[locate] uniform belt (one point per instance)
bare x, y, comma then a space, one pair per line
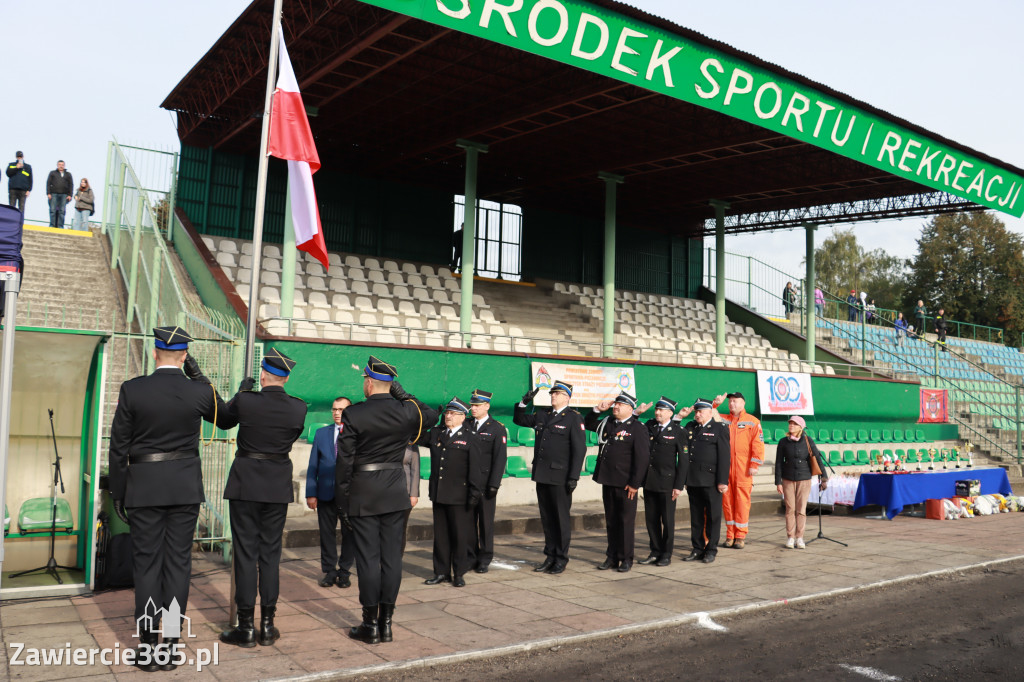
383, 466
160, 457
262, 455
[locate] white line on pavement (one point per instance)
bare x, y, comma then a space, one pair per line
870, 673
704, 621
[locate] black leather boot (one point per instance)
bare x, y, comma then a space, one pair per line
268, 633
244, 634
368, 631
145, 653
170, 646
386, 612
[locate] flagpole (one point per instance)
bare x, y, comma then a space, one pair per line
261, 193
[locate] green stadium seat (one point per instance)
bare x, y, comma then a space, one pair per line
591, 438
886, 435
526, 436
780, 434
311, 431
835, 458
901, 455
912, 456
36, 515
875, 457
824, 435
887, 452
589, 464
849, 458
875, 436
516, 467
424, 467
924, 456
851, 436
897, 435
919, 434
862, 436
837, 436
862, 457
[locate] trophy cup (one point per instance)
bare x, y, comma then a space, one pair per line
945, 458
919, 458
885, 462
970, 454
956, 461
931, 459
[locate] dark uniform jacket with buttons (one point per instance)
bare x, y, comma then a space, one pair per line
708, 463
624, 451
269, 422
161, 412
376, 431
494, 445
561, 444
669, 457
457, 469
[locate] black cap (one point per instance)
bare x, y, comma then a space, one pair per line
702, 404
666, 403
626, 399
277, 363
17, 154
457, 404
171, 338
479, 397
737, 394
563, 386
379, 370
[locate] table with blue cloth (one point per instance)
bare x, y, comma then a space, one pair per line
895, 491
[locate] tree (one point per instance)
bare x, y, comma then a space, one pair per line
841, 264
971, 265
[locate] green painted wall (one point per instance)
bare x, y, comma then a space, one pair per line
325, 371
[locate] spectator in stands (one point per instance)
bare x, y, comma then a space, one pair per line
457, 248
793, 478
863, 305
59, 187
320, 497
85, 206
19, 182
789, 299
901, 329
851, 306
869, 311
941, 328
819, 301
919, 314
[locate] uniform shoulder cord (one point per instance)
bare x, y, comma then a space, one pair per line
419, 431
210, 442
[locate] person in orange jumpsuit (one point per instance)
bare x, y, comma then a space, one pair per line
747, 455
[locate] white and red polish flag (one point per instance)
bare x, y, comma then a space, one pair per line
292, 140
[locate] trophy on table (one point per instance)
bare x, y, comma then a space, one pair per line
944, 456
970, 454
931, 459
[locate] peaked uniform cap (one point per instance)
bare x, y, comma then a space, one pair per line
479, 397
379, 370
171, 338
625, 399
702, 404
560, 385
457, 404
277, 363
666, 403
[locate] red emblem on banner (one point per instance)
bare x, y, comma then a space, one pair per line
934, 406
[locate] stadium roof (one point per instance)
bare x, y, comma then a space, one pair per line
391, 94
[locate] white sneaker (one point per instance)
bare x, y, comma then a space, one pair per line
789, 543
800, 543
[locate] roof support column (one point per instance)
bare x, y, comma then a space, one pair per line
473, 150
809, 300
610, 189
288, 254
720, 207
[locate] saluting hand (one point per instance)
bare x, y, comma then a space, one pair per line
529, 395
643, 408
604, 405
684, 413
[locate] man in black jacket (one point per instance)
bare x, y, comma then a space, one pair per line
259, 489
455, 487
669, 459
558, 454
156, 479
371, 491
59, 188
941, 329
494, 445
623, 454
706, 480
19, 182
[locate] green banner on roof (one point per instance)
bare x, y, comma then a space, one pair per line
577, 33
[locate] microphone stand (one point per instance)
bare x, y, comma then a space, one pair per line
52, 566
821, 535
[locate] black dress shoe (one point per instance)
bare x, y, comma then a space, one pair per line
437, 580
608, 563
459, 581
664, 561
708, 558
482, 568
326, 580
694, 556
649, 560
548, 563
625, 566
556, 569
343, 581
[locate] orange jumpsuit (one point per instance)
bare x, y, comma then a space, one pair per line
747, 443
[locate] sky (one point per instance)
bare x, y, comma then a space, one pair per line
81, 72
